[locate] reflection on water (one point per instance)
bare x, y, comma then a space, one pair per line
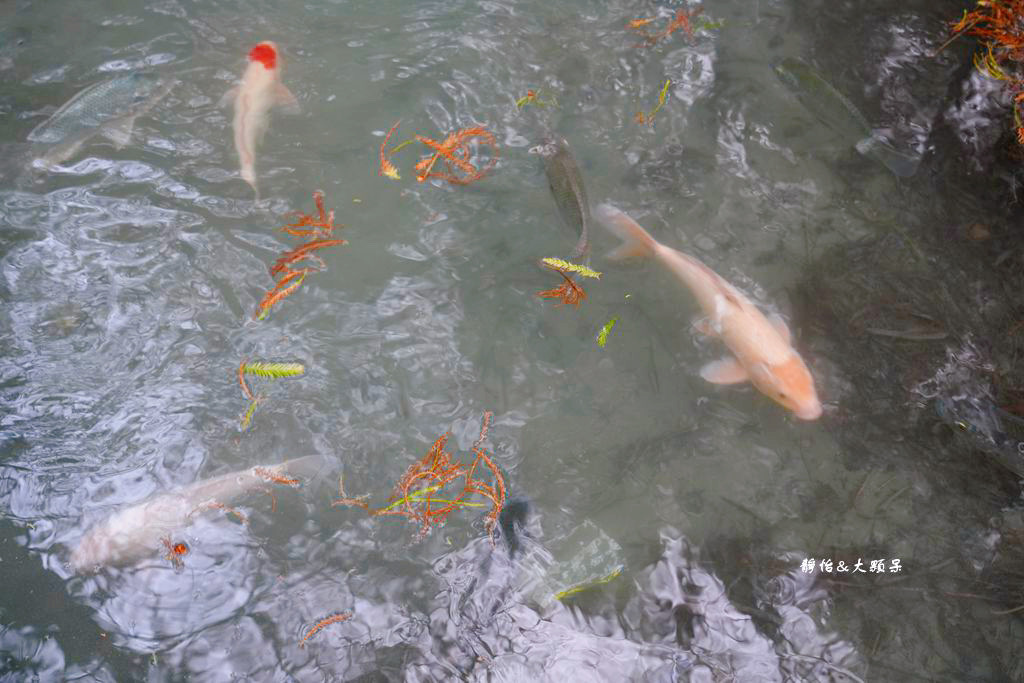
130, 275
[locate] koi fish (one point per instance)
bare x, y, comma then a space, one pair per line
763, 353
108, 108
129, 534
566, 185
260, 89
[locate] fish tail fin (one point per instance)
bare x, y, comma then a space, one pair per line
249, 176
308, 467
636, 242
900, 163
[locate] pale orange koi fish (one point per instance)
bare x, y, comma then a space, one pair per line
259, 91
763, 353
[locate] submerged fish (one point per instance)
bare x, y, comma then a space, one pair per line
130, 533
108, 108
566, 186
987, 427
838, 113
260, 90
763, 352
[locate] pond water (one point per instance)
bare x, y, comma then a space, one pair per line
130, 277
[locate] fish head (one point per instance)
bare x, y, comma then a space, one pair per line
145, 85
265, 53
549, 147
790, 385
791, 72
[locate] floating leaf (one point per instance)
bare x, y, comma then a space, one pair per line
567, 267
602, 336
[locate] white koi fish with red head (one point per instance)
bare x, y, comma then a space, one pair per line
763, 353
260, 90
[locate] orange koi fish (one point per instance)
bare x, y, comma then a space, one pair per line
763, 352
259, 91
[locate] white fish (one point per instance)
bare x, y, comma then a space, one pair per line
763, 352
260, 90
130, 533
108, 108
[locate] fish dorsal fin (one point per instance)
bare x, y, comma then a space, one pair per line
781, 327
705, 327
120, 131
228, 97
284, 98
724, 371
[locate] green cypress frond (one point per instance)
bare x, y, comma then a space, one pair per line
566, 267
602, 336
274, 370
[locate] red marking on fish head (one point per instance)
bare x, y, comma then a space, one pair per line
265, 53
791, 385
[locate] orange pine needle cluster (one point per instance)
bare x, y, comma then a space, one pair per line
569, 292
680, 21
333, 619
175, 552
454, 153
241, 380
1000, 25
320, 228
418, 489
276, 478
387, 169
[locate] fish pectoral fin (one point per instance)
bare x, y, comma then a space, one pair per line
284, 98
724, 371
705, 327
228, 97
781, 327
119, 132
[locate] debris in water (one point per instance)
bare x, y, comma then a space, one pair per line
413, 495
388, 169
332, 619
175, 551
602, 335
569, 292
320, 228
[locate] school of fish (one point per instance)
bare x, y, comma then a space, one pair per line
761, 346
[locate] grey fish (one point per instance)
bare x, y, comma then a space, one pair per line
108, 108
986, 427
833, 109
566, 186
130, 533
